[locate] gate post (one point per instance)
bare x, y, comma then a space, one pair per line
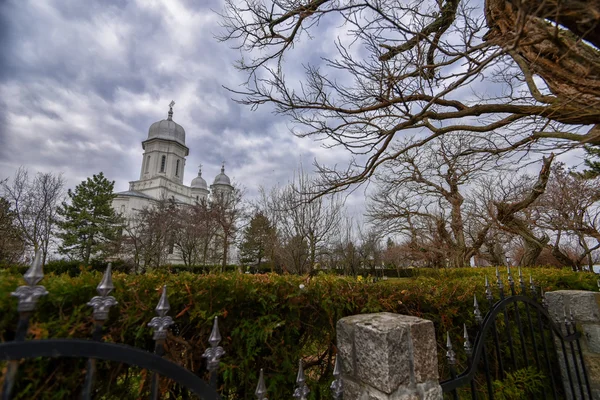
585, 308
388, 356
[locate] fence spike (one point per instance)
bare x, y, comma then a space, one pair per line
467, 345
102, 304
337, 389
35, 273
522, 282
476, 311
499, 283
106, 284
215, 336
214, 353
488, 291
532, 286
511, 281
302, 389
161, 323
163, 305
261, 389
543, 296
450, 354
598, 284
29, 294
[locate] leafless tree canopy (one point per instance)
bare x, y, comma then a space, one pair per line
519, 74
34, 203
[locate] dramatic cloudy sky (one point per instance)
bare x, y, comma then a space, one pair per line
81, 82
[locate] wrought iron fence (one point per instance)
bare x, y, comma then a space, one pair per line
95, 349
518, 347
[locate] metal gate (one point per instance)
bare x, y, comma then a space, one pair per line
518, 351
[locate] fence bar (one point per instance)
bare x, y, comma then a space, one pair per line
490, 297
573, 354
214, 353
518, 316
469, 352
101, 305
486, 363
511, 346
160, 324
28, 296
451, 356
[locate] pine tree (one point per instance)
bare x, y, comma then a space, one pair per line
591, 161
258, 240
89, 224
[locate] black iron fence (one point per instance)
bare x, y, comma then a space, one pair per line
95, 349
518, 351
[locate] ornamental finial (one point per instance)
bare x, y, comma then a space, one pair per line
29, 295
163, 306
301, 392
450, 355
214, 353
261, 389
467, 344
106, 284
223, 167
171, 104
35, 274
337, 388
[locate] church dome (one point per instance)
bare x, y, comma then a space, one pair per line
199, 182
167, 129
222, 179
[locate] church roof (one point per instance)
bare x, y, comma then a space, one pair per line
134, 193
167, 129
222, 179
199, 182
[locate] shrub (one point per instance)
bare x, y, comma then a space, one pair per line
266, 321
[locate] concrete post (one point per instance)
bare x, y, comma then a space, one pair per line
586, 313
388, 356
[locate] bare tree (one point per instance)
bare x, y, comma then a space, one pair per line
34, 203
515, 216
570, 210
400, 74
228, 209
12, 245
302, 221
422, 195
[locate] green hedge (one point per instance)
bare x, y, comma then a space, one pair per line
266, 321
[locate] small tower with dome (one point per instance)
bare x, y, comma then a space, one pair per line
165, 150
222, 184
199, 187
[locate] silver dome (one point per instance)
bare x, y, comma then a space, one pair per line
199, 182
222, 179
167, 129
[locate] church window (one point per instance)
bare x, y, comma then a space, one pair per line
177, 168
163, 163
147, 164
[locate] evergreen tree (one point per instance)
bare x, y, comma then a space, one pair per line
89, 224
258, 240
12, 244
591, 162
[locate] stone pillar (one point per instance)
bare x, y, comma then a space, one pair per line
388, 356
586, 313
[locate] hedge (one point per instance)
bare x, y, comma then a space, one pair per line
267, 321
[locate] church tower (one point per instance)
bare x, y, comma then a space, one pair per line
165, 150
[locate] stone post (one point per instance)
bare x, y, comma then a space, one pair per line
586, 313
388, 356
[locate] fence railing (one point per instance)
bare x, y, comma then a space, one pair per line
95, 349
516, 334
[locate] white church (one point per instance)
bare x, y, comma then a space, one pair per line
162, 173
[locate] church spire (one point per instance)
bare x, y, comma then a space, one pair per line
170, 118
223, 167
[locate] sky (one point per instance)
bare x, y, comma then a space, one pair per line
82, 81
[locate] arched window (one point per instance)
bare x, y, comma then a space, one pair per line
147, 164
163, 163
177, 168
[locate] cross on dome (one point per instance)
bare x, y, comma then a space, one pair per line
171, 104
